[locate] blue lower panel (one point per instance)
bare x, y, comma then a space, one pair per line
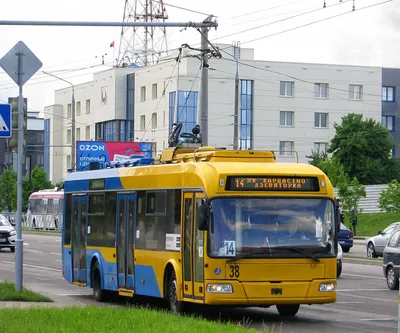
146, 282
67, 264
108, 270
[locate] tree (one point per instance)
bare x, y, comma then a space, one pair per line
364, 147
390, 198
330, 166
350, 193
8, 190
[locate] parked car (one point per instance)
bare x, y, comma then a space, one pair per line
345, 238
339, 260
391, 260
376, 244
7, 234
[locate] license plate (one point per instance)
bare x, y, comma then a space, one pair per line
341, 242
3, 240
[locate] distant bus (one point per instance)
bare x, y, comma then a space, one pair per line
45, 209
205, 226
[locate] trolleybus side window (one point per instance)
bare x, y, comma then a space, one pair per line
158, 215
96, 219
68, 217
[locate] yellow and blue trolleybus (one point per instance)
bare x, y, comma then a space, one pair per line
206, 226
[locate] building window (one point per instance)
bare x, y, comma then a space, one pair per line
142, 123
68, 161
286, 148
320, 147
113, 130
393, 152
321, 90
143, 94
389, 123
78, 134
246, 114
69, 111
87, 133
88, 106
355, 92
78, 108
154, 91
68, 136
286, 118
154, 120
187, 109
321, 120
388, 94
287, 89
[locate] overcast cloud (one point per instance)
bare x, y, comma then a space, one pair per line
363, 37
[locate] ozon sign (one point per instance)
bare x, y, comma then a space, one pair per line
91, 147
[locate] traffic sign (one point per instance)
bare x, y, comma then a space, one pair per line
5, 121
30, 63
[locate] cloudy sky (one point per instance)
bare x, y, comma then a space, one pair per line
362, 37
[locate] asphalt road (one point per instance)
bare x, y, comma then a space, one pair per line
364, 303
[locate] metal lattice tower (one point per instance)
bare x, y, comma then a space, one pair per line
142, 46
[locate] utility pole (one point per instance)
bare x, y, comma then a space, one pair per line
176, 111
203, 95
236, 110
73, 143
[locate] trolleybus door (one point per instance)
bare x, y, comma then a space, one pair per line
126, 205
193, 249
79, 213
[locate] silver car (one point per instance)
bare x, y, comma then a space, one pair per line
339, 260
376, 244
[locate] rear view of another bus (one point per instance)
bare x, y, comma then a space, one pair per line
45, 209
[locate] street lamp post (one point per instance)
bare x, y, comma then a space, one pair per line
72, 119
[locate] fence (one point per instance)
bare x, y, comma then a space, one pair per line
370, 204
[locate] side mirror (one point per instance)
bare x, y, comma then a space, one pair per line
380, 233
337, 211
202, 217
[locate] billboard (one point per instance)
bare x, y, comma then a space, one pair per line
102, 151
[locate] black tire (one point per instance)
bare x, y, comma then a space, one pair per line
12, 249
371, 251
346, 249
172, 295
99, 294
392, 279
288, 310
339, 269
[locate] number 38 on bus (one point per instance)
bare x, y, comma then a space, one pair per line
206, 226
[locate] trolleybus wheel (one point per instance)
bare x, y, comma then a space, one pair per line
98, 293
172, 295
288, 309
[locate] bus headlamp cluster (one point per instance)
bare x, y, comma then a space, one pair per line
327, 287
220, 288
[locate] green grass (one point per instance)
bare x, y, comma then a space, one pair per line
8, 293
370, 224
108, 320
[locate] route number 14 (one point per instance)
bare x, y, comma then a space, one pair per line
230, 248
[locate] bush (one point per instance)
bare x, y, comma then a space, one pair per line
389, 200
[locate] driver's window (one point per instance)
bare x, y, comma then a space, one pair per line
387, 230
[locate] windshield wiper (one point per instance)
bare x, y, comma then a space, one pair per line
298, 251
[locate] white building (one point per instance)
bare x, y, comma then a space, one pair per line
284, 107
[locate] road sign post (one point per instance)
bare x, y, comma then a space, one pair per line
20, 64
5, 121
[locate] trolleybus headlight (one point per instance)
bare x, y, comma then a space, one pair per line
219, 288
327, 287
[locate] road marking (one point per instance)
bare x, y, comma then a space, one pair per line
342, 290
349, 302
379, 319
34, 266
40, 241
363, 276
73, 294
58, 260
56, 253
58, 240
26, 244
34, 251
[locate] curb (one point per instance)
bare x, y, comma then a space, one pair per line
45, 233
362, 261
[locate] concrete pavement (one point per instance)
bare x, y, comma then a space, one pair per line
364, 303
